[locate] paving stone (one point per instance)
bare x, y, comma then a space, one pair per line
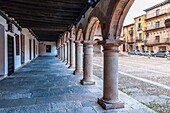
47, 86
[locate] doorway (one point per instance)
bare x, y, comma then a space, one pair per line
34, 48
10, 55
22, 49
30, 48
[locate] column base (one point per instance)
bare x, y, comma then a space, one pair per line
67, 63
71, 67
64, 61
84, 82
76, 72
106, 106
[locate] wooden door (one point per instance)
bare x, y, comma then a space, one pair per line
22, 49
10, 55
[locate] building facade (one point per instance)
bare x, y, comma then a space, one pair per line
157, 35
149, 32
139, 32
129, 37
134, 34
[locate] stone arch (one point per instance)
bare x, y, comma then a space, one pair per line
60, 42
97, 47
73, 32
95, 18
68, 35
62, 39
117, 14
65, 37
79, 36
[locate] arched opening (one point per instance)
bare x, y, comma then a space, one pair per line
139, 69
94, 34
98, 37
142, 31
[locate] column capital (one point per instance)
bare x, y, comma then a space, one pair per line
111, 43
59, 46
89, 42
78, 42
67, 41
71, 39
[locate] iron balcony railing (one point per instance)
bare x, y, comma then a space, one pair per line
161, 41
139, 39
131, 40
153, 27
131, 32
155, 14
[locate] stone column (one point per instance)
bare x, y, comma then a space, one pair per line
87, 64
58, 51
79, 58
68, 52
72, 54
63, 53
110, 99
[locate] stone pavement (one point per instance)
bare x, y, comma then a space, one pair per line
47, 86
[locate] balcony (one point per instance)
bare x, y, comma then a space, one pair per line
161, 12
131, 32
167, 23
139, 39
158, 42
131, 40
139, 29
154, 27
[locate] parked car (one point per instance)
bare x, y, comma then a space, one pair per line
162, 53
134, 52
168, 56
147, 53
152, 53
138, 52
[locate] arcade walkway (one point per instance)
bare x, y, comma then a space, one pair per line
47, 86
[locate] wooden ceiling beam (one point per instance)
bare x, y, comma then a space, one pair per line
57, 1
64, 15
46, 29
43, 21
41, 10
48, 2
44, 26
40, 5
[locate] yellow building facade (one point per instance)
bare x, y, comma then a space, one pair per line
129, 37
140, 32
134, 34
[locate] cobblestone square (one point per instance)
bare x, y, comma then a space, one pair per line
146, 80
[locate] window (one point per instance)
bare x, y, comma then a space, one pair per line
157, 12
139, 19
139, 26
17, 44
140, 35
157, 39
157, 25
48, 48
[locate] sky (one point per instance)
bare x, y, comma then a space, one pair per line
137, 9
